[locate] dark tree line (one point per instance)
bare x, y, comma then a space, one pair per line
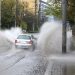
14, 12
7, 13
71, 11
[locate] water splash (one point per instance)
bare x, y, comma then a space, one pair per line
11, 34
50, 38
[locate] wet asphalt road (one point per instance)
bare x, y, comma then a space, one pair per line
23, 62
20, 61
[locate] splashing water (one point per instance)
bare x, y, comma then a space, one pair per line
11, 34
50, 38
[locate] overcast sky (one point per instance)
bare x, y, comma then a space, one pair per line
45, 0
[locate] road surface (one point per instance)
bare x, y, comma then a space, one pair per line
20, 62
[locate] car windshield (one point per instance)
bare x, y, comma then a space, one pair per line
23, 37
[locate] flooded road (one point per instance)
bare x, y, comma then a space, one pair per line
46, 59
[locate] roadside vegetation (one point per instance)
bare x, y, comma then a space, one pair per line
17, 14
55, 8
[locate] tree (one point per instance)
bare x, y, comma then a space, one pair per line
71, 10
54, 8
27, 14
7, 13
71, 15
16, 11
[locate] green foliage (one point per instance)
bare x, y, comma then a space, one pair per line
54, 8
13, 11
71, 10
7, 13
23, 25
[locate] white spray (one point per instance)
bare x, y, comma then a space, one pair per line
11, 34
50, 38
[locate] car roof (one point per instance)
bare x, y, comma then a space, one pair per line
25, 34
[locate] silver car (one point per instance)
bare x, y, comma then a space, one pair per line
25, 41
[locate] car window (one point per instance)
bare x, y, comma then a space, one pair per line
23, 37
